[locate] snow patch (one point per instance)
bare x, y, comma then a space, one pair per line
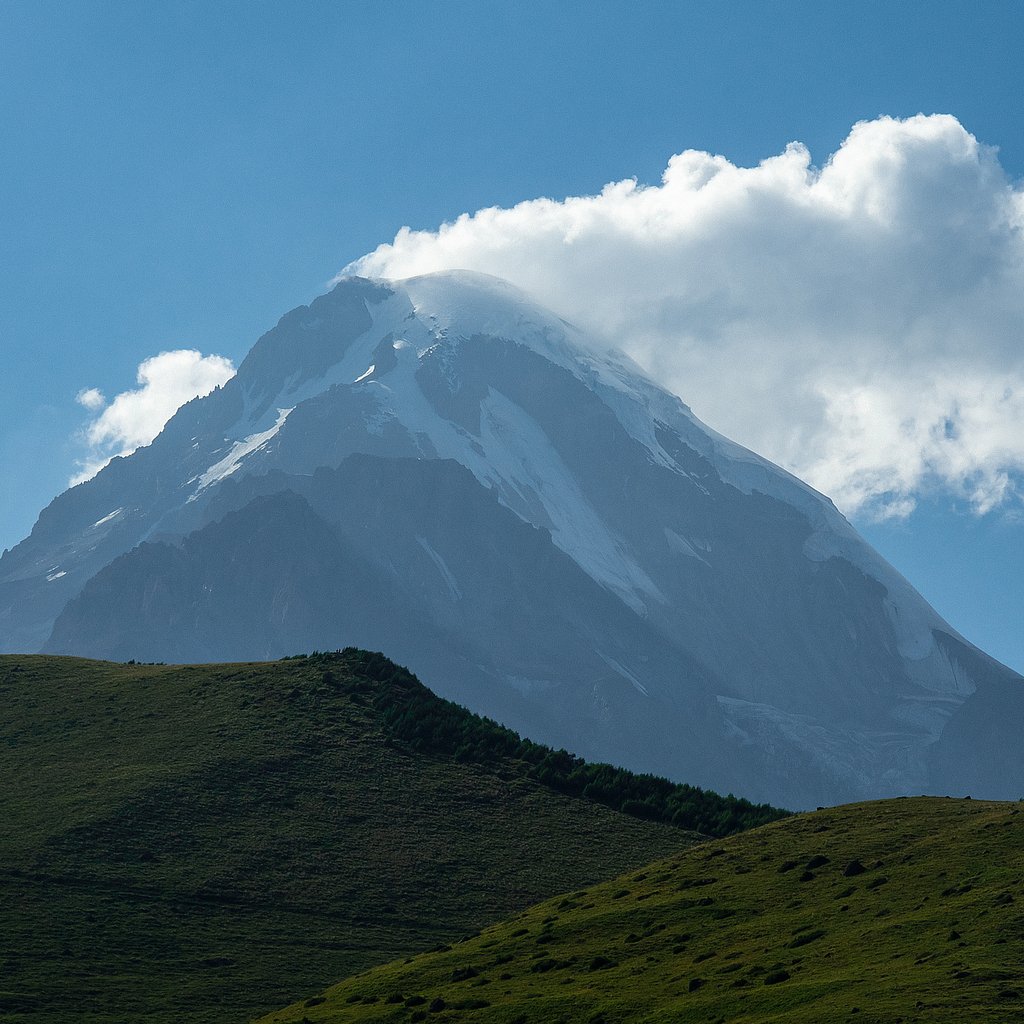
238, 451
681, 546
624, 672
365, 374
106, 518
442, 568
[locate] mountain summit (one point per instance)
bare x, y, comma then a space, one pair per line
440, 469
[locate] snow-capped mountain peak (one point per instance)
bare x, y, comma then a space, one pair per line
443, 469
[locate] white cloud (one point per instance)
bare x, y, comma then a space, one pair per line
862, 324
91, 399
133, 418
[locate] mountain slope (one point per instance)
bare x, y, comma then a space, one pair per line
905, 910
717, 620
203, 843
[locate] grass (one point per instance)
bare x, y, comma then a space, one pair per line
204, 843
900, 911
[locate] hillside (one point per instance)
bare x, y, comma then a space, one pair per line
207, 842
899, 911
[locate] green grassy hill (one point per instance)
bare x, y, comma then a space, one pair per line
899, 911
203, 843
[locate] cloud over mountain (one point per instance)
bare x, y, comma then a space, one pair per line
133, 418
858, 323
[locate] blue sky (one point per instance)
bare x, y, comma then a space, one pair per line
179, 175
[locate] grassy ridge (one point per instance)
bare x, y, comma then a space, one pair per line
904, 911
204, 843
425, 723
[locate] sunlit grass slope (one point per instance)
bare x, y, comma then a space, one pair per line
898, 911
204, 843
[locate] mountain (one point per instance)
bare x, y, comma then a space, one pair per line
440, 469
204, 843
903, 910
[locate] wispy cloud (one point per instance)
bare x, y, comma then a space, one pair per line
133, 418
861, 323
